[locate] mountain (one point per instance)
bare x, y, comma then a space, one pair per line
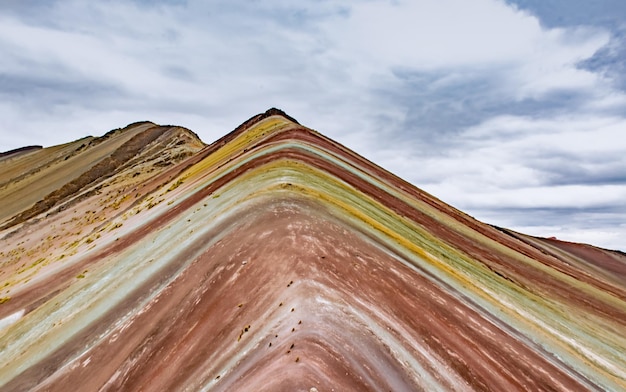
278, 259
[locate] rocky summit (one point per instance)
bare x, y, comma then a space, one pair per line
276, 259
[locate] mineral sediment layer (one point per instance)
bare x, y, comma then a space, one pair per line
276, 259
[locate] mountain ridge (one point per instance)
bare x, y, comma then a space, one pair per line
276, 251
99, 168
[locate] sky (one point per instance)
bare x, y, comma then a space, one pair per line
512, 111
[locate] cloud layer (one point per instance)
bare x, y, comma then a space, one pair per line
511, 111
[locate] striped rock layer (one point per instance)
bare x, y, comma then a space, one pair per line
276, 259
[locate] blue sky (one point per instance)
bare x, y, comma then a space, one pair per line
513, 111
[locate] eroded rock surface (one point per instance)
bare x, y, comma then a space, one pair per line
277, 259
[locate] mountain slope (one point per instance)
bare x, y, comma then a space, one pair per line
42, 176
277, 259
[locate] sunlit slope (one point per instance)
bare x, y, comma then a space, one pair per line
28, 178
50, 229
276, 259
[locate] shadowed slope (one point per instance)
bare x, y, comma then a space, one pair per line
26, 180
276, 259
18, 151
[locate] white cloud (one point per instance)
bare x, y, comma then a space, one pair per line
206, 58
432, 35
520, 138
540, 197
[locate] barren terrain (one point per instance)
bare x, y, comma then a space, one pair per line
277, 259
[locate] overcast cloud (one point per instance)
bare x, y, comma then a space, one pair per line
513, 111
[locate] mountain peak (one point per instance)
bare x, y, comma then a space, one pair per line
278, 259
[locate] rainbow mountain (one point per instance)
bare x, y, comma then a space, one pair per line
277, 259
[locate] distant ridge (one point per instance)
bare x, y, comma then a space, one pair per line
277, 259
19, 150
100, 158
